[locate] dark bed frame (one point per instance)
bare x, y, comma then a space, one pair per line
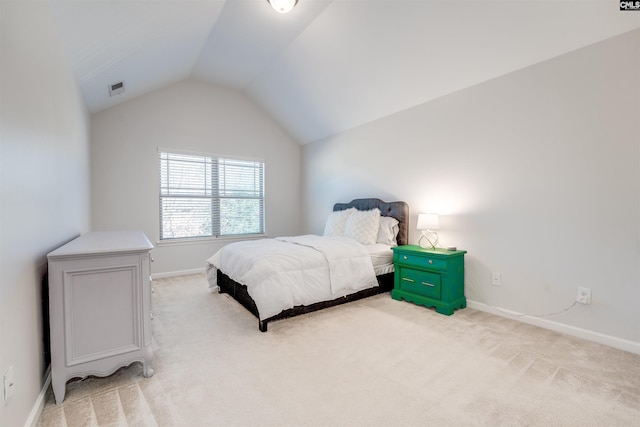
397, 210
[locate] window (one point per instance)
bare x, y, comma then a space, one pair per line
209, 196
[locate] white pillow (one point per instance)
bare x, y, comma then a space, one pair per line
363, 226
388, 231
336, 221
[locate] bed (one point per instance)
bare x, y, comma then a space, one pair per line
233, 261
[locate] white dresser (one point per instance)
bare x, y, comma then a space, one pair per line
99, 306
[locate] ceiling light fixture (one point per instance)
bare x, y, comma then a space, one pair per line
282, 6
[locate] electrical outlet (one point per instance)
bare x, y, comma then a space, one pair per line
496, 279
583, 295
9, 384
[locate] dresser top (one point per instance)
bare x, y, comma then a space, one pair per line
104, 242
436, 251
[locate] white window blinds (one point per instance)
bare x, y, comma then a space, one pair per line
208, 196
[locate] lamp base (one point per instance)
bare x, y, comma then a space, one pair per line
431, 237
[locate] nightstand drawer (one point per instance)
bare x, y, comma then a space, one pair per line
420, 282
422, 261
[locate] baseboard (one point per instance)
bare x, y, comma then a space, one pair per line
38, 406
621, 344
178, 273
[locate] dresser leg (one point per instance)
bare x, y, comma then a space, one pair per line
147, 370
59, 388
445, 310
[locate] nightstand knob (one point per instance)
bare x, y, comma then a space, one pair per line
430, 261
405, 257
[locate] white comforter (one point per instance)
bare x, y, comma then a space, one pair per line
289, 271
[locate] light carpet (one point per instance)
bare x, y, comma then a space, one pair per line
374, 362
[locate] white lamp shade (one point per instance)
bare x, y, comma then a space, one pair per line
282, 6
428, 221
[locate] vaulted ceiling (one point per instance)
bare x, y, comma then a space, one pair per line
329, 65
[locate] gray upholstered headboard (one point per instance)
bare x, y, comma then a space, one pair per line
397, 210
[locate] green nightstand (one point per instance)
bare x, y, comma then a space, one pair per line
429, 277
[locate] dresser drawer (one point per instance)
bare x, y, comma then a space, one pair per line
422, 261
420, 282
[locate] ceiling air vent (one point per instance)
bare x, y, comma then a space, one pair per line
116, 89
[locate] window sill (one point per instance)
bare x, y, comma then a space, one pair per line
208, 240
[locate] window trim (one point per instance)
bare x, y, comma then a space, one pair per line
205, 239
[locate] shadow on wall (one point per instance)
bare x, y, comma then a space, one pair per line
44, 298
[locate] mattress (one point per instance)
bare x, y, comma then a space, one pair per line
381, 258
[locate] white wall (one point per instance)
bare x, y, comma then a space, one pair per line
44, 183
189, 115
536, 174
